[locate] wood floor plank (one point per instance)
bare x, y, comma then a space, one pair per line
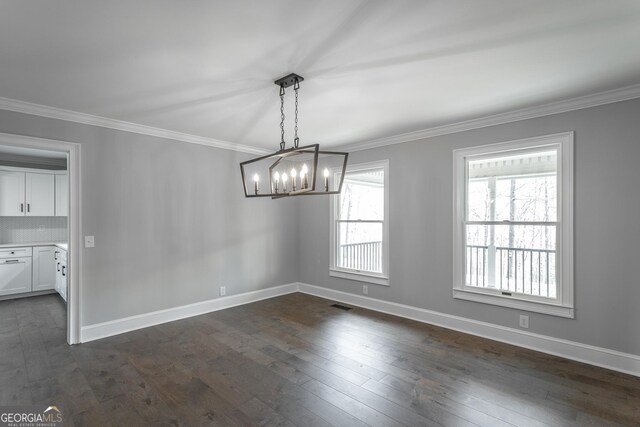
438, 407
296, 361
287, 399
261, 414
350, 405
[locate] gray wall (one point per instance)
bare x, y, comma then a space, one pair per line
171, 224
607, 226
170, 221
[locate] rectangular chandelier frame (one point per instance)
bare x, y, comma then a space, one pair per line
278, 157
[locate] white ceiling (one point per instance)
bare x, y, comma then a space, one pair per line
373, 69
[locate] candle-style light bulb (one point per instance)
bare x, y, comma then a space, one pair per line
276, 178
326, 179
284, 182
303, 176
256, 180
293, 179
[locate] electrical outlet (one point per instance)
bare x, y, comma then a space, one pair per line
524, 321
89, 241
365, 289
41, 228
223, 291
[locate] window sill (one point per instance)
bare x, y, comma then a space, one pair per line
361, 277
515, 302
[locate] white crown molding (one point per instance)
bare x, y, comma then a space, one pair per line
579, 103
88, 119
587, 101
598, 356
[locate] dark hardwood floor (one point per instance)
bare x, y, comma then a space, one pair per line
295, 360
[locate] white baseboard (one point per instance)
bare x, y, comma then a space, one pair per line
598, 356
127, 324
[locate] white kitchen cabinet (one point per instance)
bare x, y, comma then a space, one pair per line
40, 194
15, 275
29, 192
62, 194
12, 191
61, 273
44, 268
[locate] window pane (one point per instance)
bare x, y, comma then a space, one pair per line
527, 199
513, 187
512, 258
360, 246
479, 202
362, 196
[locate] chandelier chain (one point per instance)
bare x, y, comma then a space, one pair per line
296, 140
282, 144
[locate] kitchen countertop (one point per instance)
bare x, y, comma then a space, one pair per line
62, 245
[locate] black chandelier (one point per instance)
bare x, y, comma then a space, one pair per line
293, 171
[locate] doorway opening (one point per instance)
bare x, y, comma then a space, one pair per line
39, 236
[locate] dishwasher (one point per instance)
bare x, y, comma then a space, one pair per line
15, 275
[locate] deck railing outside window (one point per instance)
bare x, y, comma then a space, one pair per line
366, 256
524, 271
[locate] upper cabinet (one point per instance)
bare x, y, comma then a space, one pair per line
26, 193
62, 194
12, 185
40, 194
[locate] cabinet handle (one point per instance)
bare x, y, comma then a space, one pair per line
58, 267
63, 268
11, 261
21, 207
28, 207
55, 255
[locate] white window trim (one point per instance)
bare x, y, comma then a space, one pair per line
564, 306
362, 276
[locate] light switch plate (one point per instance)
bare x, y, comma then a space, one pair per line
89, 241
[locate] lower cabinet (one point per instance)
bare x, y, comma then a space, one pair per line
29, 269
44, 268
61, 273
15, 275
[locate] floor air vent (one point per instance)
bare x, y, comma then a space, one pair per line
341, 307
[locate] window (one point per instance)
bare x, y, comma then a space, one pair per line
513, 233
359, 220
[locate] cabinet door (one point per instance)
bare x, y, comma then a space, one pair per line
40, 194
58, 273
15, 276
61, 278
62, 195
12, 185
65, 283
44, 268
